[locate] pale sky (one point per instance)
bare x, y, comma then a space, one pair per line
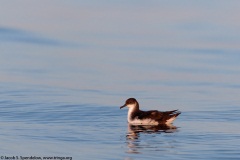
180, 24
144, 46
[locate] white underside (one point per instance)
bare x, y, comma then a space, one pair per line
170, 120
143, 122
149, 121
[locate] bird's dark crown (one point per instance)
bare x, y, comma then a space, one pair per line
130, 101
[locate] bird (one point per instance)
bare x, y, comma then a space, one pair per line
152, 117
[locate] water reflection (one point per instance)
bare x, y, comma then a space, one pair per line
133, 140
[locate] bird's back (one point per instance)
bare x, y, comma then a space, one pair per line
154, 117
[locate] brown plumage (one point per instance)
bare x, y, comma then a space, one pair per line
152, 117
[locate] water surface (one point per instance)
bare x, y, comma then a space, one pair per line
67, 66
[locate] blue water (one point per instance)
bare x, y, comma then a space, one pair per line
67, 66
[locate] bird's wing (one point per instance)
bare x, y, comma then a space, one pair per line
154, 114
157, 115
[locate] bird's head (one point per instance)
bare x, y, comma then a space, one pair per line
131, 102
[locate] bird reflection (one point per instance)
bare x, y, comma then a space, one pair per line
133, 135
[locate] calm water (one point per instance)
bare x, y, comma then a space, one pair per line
67, 66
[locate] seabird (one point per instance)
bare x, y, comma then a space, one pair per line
152, 117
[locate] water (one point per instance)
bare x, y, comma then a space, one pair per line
67, 66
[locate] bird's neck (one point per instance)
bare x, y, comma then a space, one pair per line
131, 110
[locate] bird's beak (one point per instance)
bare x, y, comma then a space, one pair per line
123, 106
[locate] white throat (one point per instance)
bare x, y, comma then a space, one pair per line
131, 109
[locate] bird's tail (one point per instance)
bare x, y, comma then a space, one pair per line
172, 115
